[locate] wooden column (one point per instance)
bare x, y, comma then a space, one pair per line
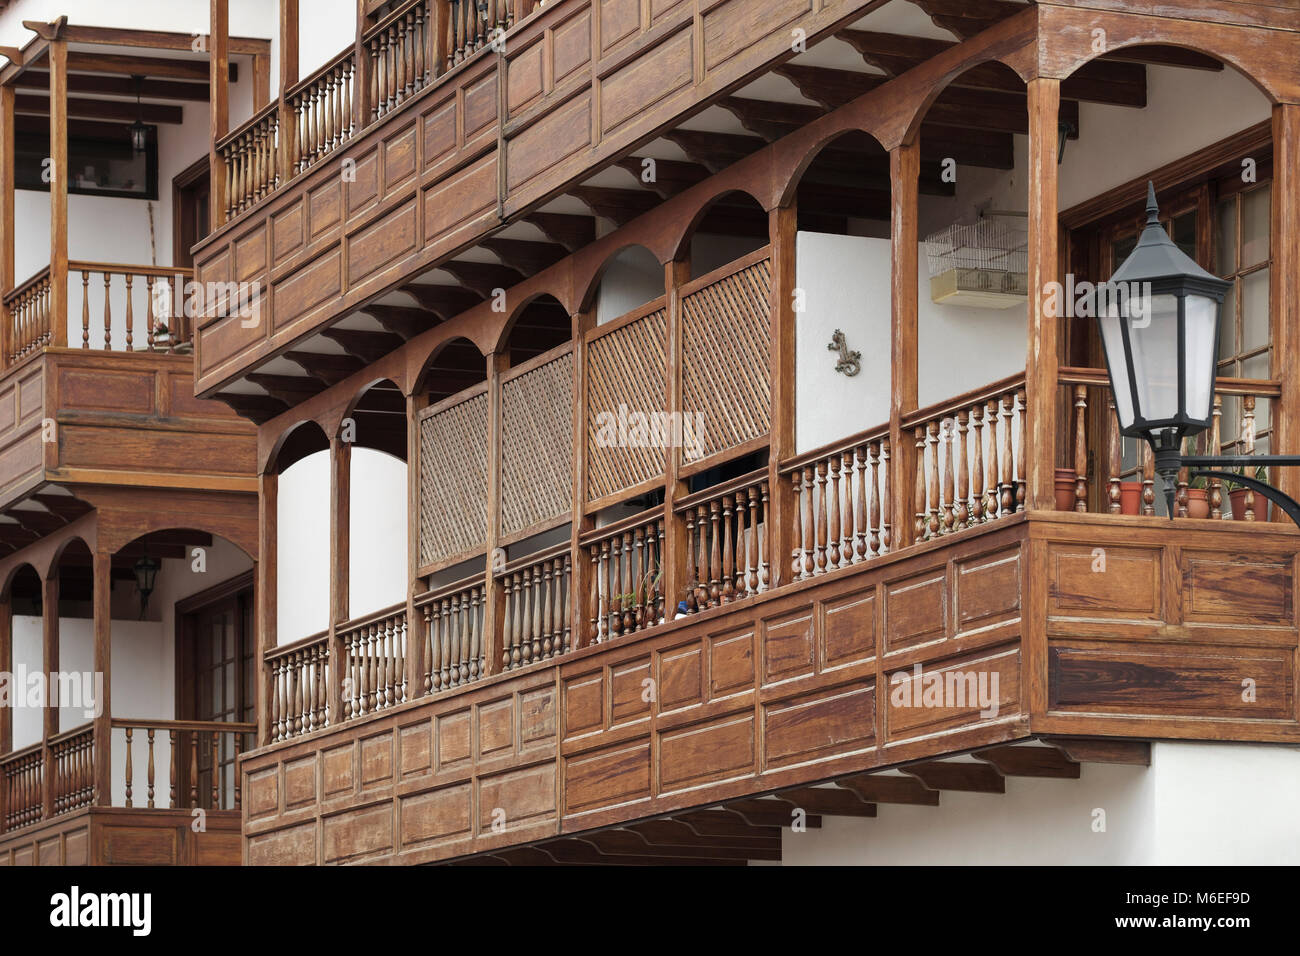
102, 568
219, 109
415, 636
1284, 297
6, 215
265, 600
493, 592
58, 192
340, 544
288, 77
676, 274
1041, 360
580, 578
904, 172
361, 81
782, 229
49, 665
439, 23
6, 665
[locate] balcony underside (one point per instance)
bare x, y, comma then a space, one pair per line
117, 836
1119, 629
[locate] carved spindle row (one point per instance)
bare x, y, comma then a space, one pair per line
727, 548
299, 691
626, 582
454, 646
375, 677
967, 469
30, 318
22, 779
536, 612
472, 26
250, 164
74, 775
842, 509
322, 116
399, 64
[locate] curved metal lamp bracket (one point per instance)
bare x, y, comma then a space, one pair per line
1279, 498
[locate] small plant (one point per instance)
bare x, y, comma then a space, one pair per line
1200, 481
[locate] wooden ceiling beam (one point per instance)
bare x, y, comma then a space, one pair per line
716, 151
583, 850
102, 109
829, 802
958, 775
1030, 761
1136, 753
619, 205
444, 301
168, 68
483, 278
326, 367
119, 86
256, 408
365, 345
671, 176
571, 231
290, 389
628, 842
65, 506
886, 788
402, 320
158, 40
526, 256
767, 812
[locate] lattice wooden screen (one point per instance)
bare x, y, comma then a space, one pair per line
537, 445
453, 480
725, 359
624, 368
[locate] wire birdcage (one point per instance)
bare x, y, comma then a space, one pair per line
983, 263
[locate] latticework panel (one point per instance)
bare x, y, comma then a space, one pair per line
726, 361
625, 379
453, 480
537, 445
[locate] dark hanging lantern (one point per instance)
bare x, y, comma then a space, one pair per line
139, 132
1064, 129
146, 575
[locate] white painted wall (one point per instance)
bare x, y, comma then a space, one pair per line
377, 572
1204, 804
631, 280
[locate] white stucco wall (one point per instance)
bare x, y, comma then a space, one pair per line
1205, 804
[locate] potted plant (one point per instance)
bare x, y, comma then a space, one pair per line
1237, 496
1065, 488
1198, 498
1130, 497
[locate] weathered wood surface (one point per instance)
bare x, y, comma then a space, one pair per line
116, 836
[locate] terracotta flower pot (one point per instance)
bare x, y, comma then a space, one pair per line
1238, 499
1065, 485
1198, 503
1130, 497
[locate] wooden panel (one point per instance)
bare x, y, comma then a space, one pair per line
987, 591
731, 26
438, 128
1106, 581
681, 677
262, 793
817, 725
554, 137
660, 71
710, 751
916, 610
382, 244
399, 159
849, 630
300, 782
625, 370
453, 480
326, 205
362, 189
619, 20
607, 777
438, 816
250, 254
292, 846
788, 646
946, 694
91, 389
1237, 588
731, 662
516, 797
537, 445
726, 366
140, 846
415, 749
358, 832
526, 78
571, 45
305, 290
458, 200
453, 739
287, 232
339, 769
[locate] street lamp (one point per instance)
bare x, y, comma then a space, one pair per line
1159, 320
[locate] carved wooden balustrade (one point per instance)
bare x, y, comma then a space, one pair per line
627, 582
22, 775
1105, 482
28, 307
374, 656
535, 602
970, 467
249, 156
185, 749
298, 683
401, 60
454, 651
727, 542
72, 757
129, 308
842, 502
321, 107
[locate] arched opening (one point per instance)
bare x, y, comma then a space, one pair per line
541, 325
377, 507
76, 590
730, 227
302, 464
27, 654
455, 366
631, 278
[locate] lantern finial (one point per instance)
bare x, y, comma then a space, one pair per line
1153, 211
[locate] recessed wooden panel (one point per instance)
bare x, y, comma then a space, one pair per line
731, 663
819, 725
453, 739
849, 628
1178, 681
140, 845
293, 846
952, 693
338, 769
358, 832
731, 27
382, 243
496, 727
215, 848
107, 390
415, 749
707, 752
571, 45
525, 78
552, 138
916, 610
788, 645
363, 189
658, 8
607, 777
1233, 588
305, 289
629, 697
225, 340
76, 848
681, 677
377, 760
50, 852
437, 816
325, 203
480, 105
619, 19
536, 717
261, 794
287, 231
522, 795
988, 590
300, 782
399, 159
584, 705
626, 94
250, 254
439, 131
460, 197
214, 269
1106, 581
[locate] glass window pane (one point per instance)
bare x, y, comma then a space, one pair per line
1254, 310
1184, 233
1228, 325
1254, 227
1225, 237
1120, 250
1228, 425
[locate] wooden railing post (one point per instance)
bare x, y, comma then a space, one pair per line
416, 665
340, 522
50, 665
904, 173
1284, 297
493, 592
6, 223
781, 520
265, 600
439, 19
361, 102
102, 567
288, 77
673, 560
58, 302
581, 576
1042, 360
219, 117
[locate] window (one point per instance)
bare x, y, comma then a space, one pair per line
99, 163
1242, 255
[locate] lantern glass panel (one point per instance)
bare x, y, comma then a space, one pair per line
1153, 337
1200, 318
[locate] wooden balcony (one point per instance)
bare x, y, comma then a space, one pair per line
53, 813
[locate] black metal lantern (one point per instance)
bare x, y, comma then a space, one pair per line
146, 575
1159, 318
139, 132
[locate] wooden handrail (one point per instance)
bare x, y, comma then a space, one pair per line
428, 597
1224, 385
705, 495
373, 618
596, 535
65, 735
17, 755
537, 557
876, 433
950, 405
42, 275
182, 726
285, 649
392, 17
118, 268
251, 123
317, 75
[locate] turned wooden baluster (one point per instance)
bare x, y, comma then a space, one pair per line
961, 514
919, 492
1215, 485
85, 309
129, 769
809, 536
715, 553
171, 768
1019, 461
216, 770
564, 616
1005, 459
150, 776
1248, 445
949, 515
934, 504
194, 769
977, 464
1114, 460
832, 513
864, 471
1080, 447
1148, 480
108, 313
545, 645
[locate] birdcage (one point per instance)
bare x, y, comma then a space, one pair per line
983, 264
